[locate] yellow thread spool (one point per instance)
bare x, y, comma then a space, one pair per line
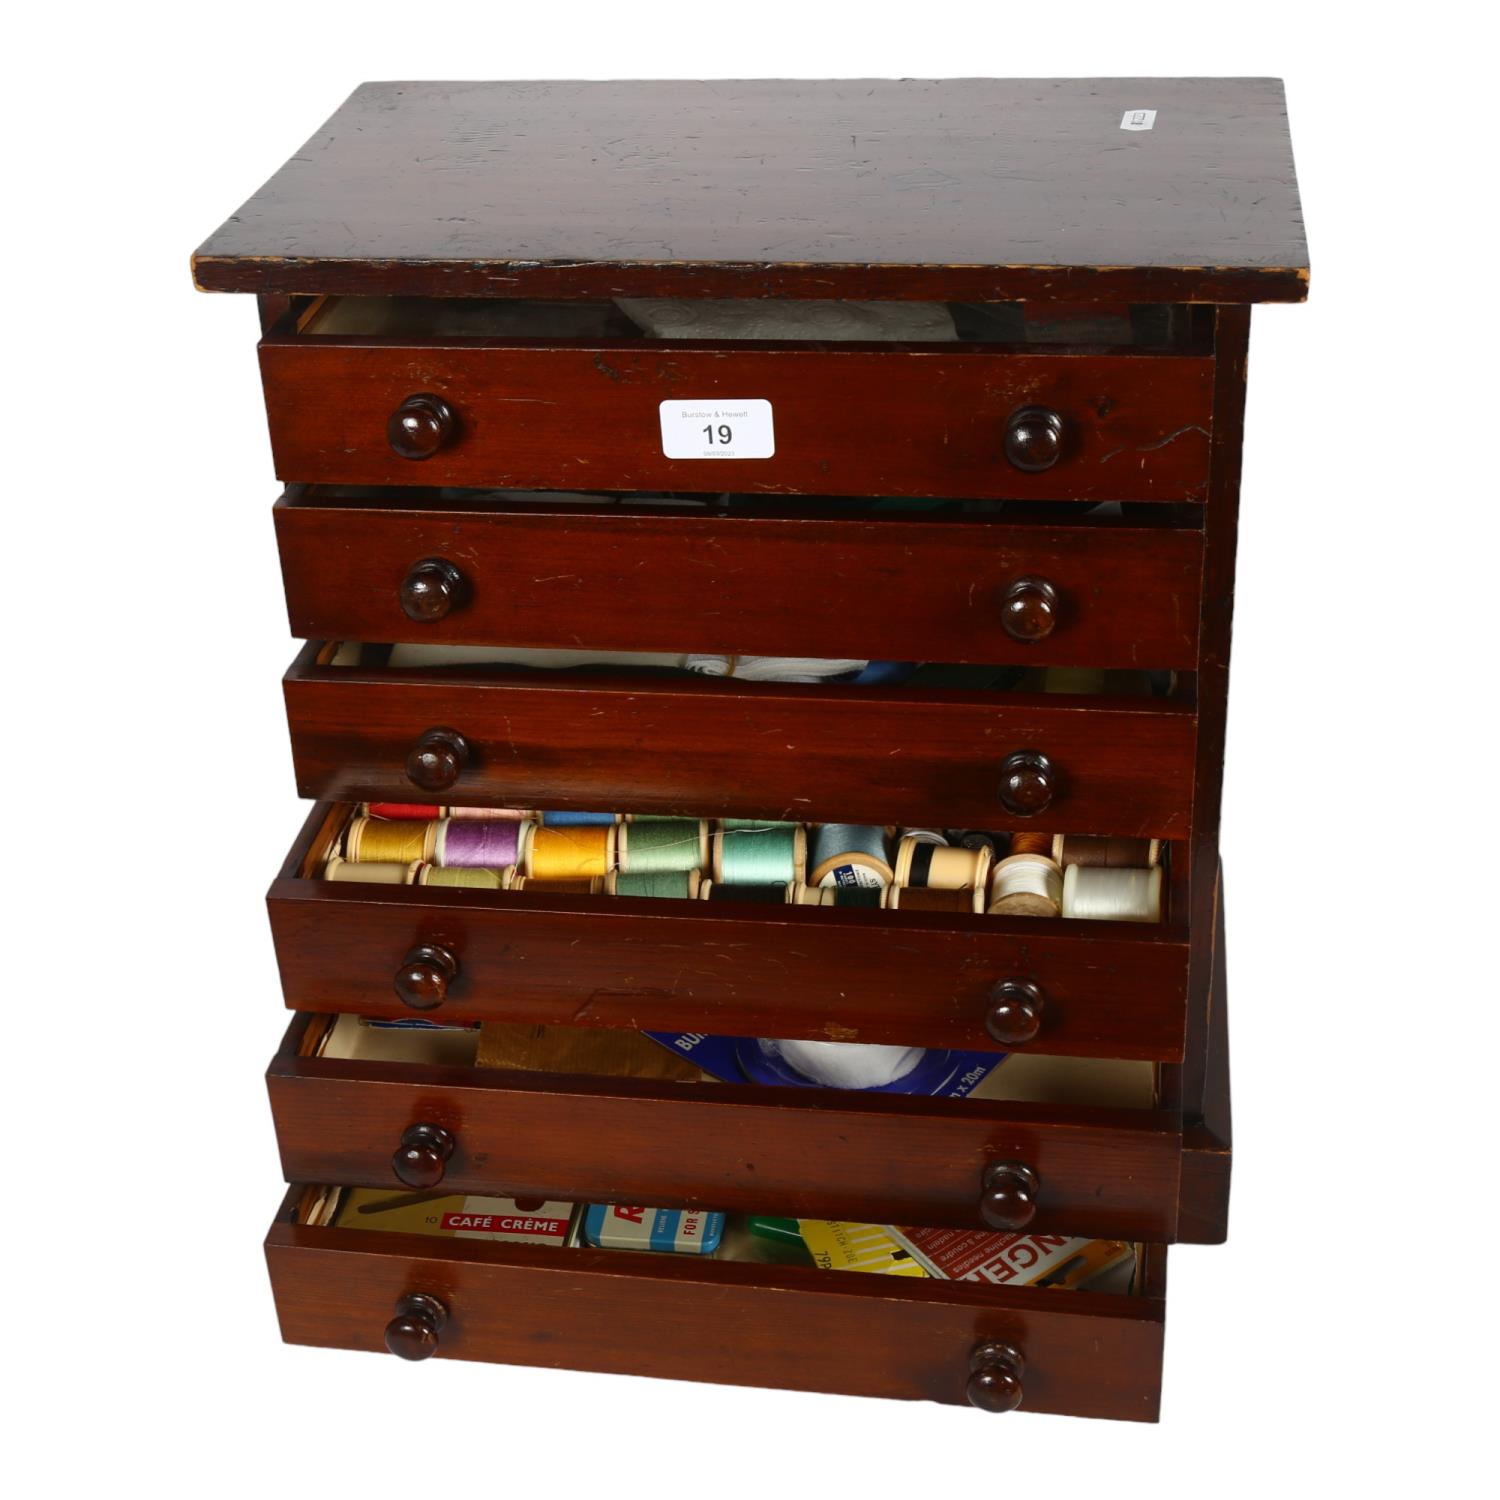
467, 877
369, 874
382, 840
568, 853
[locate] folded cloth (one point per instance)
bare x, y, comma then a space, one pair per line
915, 322
774, 668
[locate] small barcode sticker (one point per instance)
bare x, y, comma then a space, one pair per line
717, 429
1138, 119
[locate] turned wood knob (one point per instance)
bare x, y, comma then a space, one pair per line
413, 1332
424, 976
420, 426
421, 1158
1028, 609
432, 589
1033, 438
995, 1372
437, 760
1015, 1013
1027, 783
1008, 1197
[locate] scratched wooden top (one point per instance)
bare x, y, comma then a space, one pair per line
964, 189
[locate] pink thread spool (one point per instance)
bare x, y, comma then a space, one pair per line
483, 843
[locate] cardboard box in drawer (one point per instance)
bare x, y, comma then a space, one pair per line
458, 1216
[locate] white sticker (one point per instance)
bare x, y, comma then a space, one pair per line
717, 429
1138, 119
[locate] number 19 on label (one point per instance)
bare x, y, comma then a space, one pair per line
717, 429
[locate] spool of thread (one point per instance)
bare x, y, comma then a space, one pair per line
925, 898
937, 866
371, 841
567, 853
654, 848
760, 854
581, 887
402, 812
371, 874
486, 844
925, 835
1106, 853
750, 895
849, 854
798, 894
978, 838
578, 820
1026, 885
681, 884
1112, 895
490, 814
855, 897
848, 1065
754, 823
1031, 843
466, 877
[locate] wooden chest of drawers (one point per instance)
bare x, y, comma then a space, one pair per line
1014, 462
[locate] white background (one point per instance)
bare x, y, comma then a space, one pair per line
1340, 1337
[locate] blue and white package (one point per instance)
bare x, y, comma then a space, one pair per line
942, 1074
612, 1226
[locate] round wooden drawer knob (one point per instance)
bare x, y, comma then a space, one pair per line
995, 1372
1028, 610
437, 760
432, 589
1033, 438
420, 426
1028, 783
1015, 1013
422, 1157
413, 1332
424, 976
1008, 1199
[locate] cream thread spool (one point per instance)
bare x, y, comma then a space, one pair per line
920, 862
1026, 885
849, 854
382, 873
1092, 892
1106, 853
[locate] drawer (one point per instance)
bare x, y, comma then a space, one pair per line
732, 1321
358, 566
1107, 989
712, 747
851, 419
348, 1100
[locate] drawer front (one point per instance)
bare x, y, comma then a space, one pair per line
1084, 1353
752, 585
714, 748
879, 1158
851, 421
909, 978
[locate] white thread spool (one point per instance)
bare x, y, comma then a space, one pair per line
1026, 885
1112, 895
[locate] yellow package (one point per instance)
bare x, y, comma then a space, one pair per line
837, 1246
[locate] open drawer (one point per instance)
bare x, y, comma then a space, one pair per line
476, 569
729, 1319
713, 746
1062, 1146
1103, 989
374, 391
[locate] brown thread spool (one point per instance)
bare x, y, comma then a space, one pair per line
466, 877
1026, 885
592, 886
1031, 843
926, 898
919, 862
1106, 853
369, 874
378, 840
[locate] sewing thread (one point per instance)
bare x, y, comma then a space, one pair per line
1112, 895
849, 854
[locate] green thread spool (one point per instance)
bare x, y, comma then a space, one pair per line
760, 854
671, 846
466, 877
681, 885
754, 823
